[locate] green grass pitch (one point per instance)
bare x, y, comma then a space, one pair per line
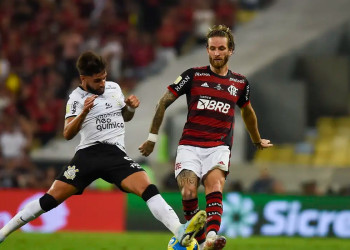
156, 241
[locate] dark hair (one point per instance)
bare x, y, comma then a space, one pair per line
222, 31
90, 63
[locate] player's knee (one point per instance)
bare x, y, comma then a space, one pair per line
149, 192
47, 202
189, 192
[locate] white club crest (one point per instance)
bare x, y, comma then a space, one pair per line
70, 172
233, 90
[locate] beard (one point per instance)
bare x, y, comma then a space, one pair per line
218, 64
99, 91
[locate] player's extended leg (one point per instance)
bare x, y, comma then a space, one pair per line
188, 183
58, 192
214, 184
139, 184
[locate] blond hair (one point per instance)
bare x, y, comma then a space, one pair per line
222, 31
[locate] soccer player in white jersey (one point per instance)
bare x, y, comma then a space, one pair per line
97, 111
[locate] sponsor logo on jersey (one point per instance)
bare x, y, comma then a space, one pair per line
111, 87
70, 172
232, 90
218, 87
108, 105
247, 93
237, 80
109, 125
83, 95
205, 85
182, 83
213, 105
201, 74
74, 107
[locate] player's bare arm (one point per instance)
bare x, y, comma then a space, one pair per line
251, 123
147, 147
72, 125
132, 102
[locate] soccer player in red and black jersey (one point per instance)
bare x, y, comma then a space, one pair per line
204, 149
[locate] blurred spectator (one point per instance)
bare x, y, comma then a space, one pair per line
225, 13
266, 184
13, 143
204, 18
310, 188
236, 186
113, 52
169, 182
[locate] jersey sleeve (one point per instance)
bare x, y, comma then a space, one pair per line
120, 97
244, 99
73, 107
183, 83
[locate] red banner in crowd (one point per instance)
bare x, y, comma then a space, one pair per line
92, 211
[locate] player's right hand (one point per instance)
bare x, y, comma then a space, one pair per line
147, 148
89, 103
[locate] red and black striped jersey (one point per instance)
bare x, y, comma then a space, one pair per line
211, 101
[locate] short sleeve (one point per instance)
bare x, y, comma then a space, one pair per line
182, 84
244, 99
73, 108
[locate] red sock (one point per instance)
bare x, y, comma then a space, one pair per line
214, 211
190, 208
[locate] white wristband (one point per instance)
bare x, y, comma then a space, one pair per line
130, 109
152, 137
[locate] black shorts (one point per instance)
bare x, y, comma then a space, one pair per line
98, 161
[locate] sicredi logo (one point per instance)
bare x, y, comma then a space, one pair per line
213, 105
242, 217
287, 218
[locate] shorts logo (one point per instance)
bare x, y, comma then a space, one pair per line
127, 158
70, 172
135, 165
221, 163
178, 166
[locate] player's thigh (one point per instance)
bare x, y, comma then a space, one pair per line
187, 159
136, 183
125, 173
216, 158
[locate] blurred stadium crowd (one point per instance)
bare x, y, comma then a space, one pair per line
40, 41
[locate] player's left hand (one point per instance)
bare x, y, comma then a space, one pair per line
132, 101
264, 143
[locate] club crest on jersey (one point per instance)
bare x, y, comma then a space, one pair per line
108, 105
232, 90
70, 172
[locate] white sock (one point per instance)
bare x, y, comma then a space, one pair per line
164, 213
211, 234
31, 211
